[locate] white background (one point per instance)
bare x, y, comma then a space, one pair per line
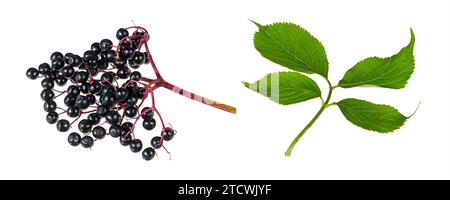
206, 47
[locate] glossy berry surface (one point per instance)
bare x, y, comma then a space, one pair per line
148, 153
87, 142
62, 125
168, 134
99, 132
156, 142
74, 139
136, 145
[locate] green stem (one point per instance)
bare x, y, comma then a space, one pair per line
324, 106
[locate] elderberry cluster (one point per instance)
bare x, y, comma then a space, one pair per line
102, 93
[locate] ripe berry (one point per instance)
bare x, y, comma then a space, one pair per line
121, 33
50, 75
135, 145
99, 132
44, 68
84, 126
149, 124
125, 139
49, 106
121, 94
112, 117
52, 117
131, 111
32, 73
73, 90
82, 102
94, 118
61, 80
68, 72
76, 61
95, 87
73, 111
91, 98
69, 100
84, 87
74, 139
47, 83
138, 58
109, 55
102, 111
115, 131
47, 94
132, 101
123, 73
56, 55
148, 113
156, 142
68, 58
168, 134
135, 76
107, 100
106, 44
95, 47
62, 125
81, 76
148, 153
87, 142
57, 64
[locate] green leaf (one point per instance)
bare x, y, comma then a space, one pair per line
370, 116
291, 46
392, 72
286, 88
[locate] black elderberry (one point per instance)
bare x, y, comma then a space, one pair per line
81, 76
74, 139
148, 113
106, 44
109, 55
102, 111
126, 127
84, 88
50, 75
87, 142
115, 131
126, 52
99, 132
57, 64
123, 73
62, 125
136, 145
95, 47
93, 70
102, 64
92, 62
107, 78
132, 100
76, 61
138, 58
91, 98
149, 124
61, 80
47, 94
44, 68
73, 111
47, 83
135, 76
148, 153
56, 55
69, 100
121, 33
113, 117
82, 102
156, 142
84, 126
68, 58
168, 134
49, 106
121, 94
131, 111
89, 54
95, 87
125, 139
73, 90
32, 73
94, 118
107, 100
52, 117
